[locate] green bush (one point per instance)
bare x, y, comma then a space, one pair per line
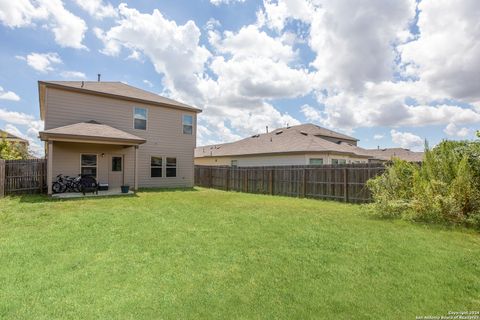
445, 188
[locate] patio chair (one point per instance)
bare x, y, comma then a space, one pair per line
88, 184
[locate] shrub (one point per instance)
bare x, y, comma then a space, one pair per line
445, 188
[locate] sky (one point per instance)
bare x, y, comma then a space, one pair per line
392, 73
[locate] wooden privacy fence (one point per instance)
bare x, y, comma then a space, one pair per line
334, 182
23, 176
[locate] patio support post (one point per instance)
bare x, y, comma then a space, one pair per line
135, 174
50, 167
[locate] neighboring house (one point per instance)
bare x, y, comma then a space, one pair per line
117, 133
296, 145
387, 154
13, 138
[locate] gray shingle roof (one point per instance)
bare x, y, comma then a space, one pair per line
315, 130
390, 153
120, 89
92, 130
302, 138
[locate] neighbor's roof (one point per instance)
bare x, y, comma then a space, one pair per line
301, 138
315, 130
400, 153
90, 130
10, 136
117, 90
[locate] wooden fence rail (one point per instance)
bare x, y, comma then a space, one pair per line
333, 182
22, 176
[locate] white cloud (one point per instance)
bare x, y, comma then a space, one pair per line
212, 24
68, 29
73, 75
148, 83
97, 8
354, 40
233, 90
219, 2
174, 50
8, 95
311, 113
446, 53
21, 118
378, 136
251, 42
21, 13
42, 62
453, 131
407, 140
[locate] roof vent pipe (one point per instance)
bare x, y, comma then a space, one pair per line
99, 75
83, 83
266, 128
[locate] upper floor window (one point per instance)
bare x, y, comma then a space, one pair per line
187, 122
140, 118
316, 161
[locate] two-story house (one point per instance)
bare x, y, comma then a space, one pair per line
119, 134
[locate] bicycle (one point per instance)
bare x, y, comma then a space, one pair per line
66, 183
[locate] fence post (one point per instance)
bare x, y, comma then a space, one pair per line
228, 179
2, 178
304, 191
345, 184
270, 181
210, 181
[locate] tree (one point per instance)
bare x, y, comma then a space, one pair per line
12, 150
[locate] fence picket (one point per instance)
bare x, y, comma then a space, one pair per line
22, 176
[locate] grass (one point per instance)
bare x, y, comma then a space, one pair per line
217, 255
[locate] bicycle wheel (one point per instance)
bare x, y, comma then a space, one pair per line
58, 187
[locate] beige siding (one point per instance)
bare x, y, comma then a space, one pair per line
273, 160
164, 133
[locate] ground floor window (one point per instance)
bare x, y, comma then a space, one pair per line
233, 163
156, 167
316, 161
339, 161
116, 164
88, 165
171, 167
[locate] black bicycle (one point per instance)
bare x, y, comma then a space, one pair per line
66, 184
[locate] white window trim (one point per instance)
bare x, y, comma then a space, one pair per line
89, 154
133, 118
161, 167
183, 124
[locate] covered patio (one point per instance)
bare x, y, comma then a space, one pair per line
106, 193
90, 148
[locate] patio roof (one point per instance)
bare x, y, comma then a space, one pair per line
91, 132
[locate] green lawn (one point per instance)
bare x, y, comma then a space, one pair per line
218, 255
